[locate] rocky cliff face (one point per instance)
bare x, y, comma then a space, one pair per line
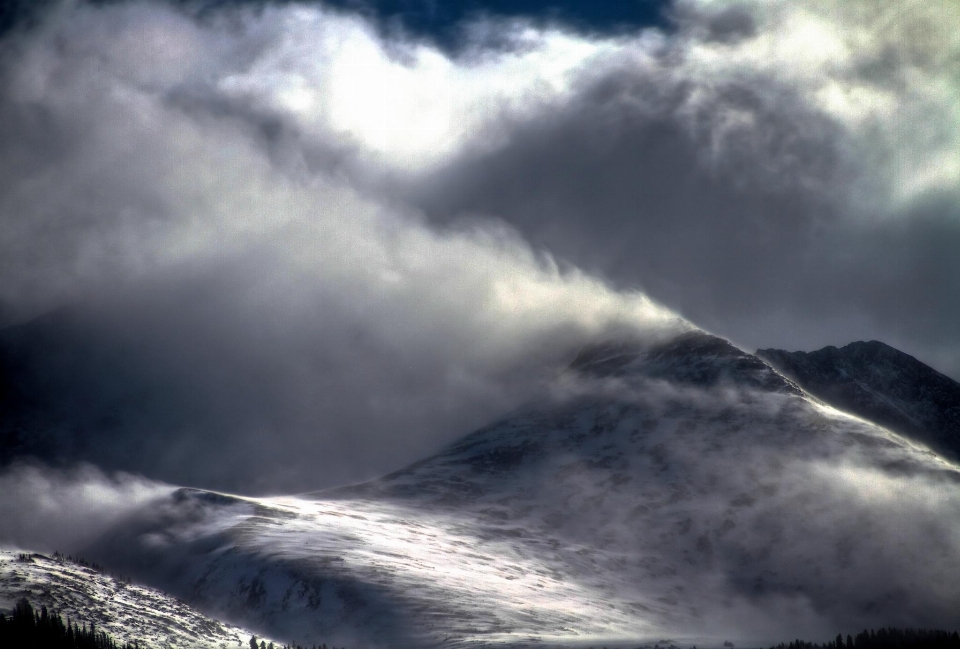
883, 385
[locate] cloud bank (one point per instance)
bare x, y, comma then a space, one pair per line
276, 249
50, 510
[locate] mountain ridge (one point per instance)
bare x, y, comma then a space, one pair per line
662, 486
666, 488
881, 384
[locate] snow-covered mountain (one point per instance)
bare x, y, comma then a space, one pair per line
126, 611
880, 384
673, 488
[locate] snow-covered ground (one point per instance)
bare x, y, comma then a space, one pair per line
678, 491
682, 491
126, 611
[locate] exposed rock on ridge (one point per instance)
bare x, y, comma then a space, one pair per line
880, 384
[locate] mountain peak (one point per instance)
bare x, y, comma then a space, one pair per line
692, 357
881, 384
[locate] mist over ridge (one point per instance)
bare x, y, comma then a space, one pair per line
674, 488
250, 250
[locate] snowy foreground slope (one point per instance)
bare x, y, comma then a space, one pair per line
127, 612
670, 489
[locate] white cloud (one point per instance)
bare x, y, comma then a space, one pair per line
885, 71
46, 510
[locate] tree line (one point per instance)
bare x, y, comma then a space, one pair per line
263, 645
886, 638
27, 627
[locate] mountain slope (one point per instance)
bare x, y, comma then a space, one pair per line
670, 488
127, 612
883, 385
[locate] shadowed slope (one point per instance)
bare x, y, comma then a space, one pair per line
883, 385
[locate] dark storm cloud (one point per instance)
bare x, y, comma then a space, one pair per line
736, 196
219, 302
619, 182
281, 252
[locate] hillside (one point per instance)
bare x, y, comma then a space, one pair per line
128, 612
674, 489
